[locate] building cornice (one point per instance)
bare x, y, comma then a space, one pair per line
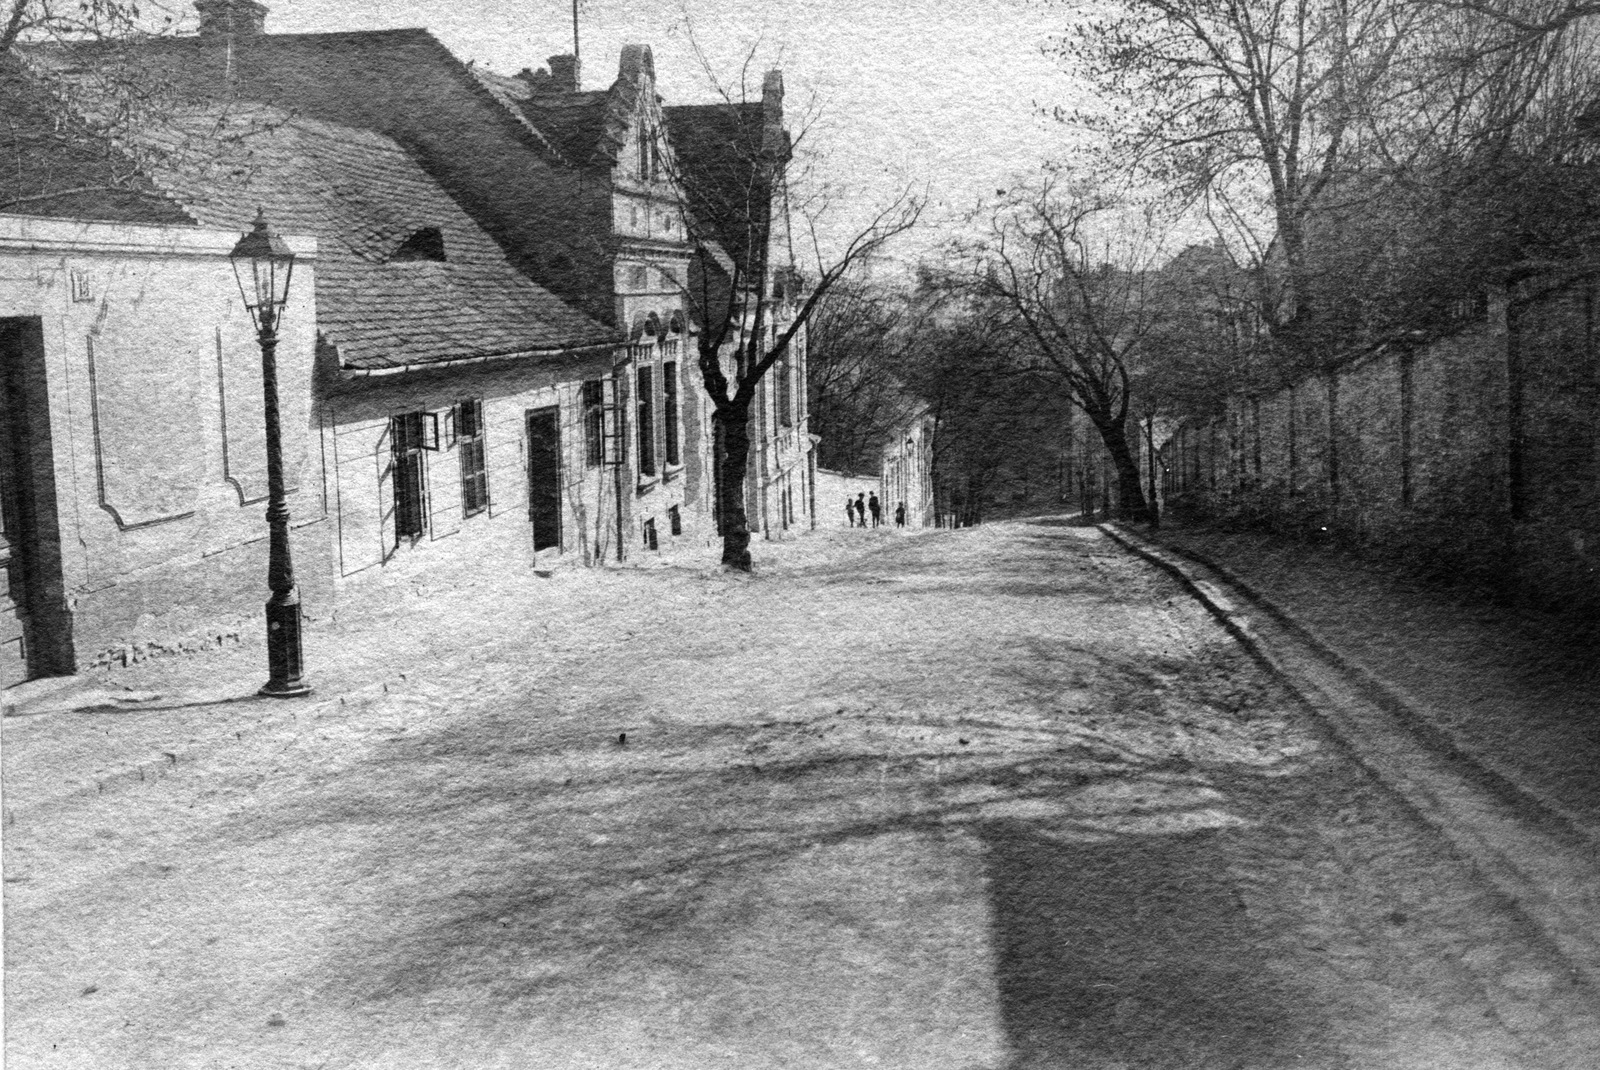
79, 237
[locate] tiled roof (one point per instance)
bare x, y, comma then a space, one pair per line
572, 125
580, 125
587, 128
56, 166
402, 84
362, 196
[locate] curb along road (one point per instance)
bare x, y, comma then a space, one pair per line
1532, 851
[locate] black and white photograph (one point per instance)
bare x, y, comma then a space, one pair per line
832, 534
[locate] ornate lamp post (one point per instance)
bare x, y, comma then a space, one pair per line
262, 264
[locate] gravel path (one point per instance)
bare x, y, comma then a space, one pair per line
1001, 798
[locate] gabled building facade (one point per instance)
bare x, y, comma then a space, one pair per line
625, 257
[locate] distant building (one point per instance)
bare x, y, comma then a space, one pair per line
907, 476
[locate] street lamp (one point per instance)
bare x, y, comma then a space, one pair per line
262, 264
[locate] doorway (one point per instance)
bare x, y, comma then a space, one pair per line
35, 627
544, 477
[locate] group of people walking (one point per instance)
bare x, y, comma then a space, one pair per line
857, 509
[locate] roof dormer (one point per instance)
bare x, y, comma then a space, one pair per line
424, 243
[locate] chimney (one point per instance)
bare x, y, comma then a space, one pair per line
230, 17
565, 73
775, 143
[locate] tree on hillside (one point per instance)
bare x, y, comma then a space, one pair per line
751, 302
1045, 279
1271, 113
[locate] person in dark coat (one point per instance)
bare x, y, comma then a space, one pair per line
861, 509
900, 515
850, 511
877, 510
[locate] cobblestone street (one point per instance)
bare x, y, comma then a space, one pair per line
1005, 797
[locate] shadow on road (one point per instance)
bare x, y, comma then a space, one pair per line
1133, 953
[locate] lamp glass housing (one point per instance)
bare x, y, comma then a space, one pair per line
263, 265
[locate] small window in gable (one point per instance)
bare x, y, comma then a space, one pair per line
425, 243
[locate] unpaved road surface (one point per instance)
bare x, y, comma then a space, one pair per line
1002, 798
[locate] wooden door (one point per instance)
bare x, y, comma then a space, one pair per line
544, 477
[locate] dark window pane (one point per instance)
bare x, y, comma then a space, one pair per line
669, 387
474, 480
647, 422
594, 421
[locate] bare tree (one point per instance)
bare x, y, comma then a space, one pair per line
1073, 302
751, 302
857, 345
1270, 112
83, 120
739, 323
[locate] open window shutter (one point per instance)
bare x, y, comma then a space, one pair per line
386, 502
444, 489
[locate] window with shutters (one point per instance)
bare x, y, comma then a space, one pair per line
669, 390
474, 473
647, 421
406, 436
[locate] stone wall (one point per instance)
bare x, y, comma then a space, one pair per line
1475, 454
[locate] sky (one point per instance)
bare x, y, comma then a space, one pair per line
944, 97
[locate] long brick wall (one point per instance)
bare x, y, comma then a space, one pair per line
1476, 453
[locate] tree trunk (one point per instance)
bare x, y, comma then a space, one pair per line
1154, 502
1130, 494
733, 422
